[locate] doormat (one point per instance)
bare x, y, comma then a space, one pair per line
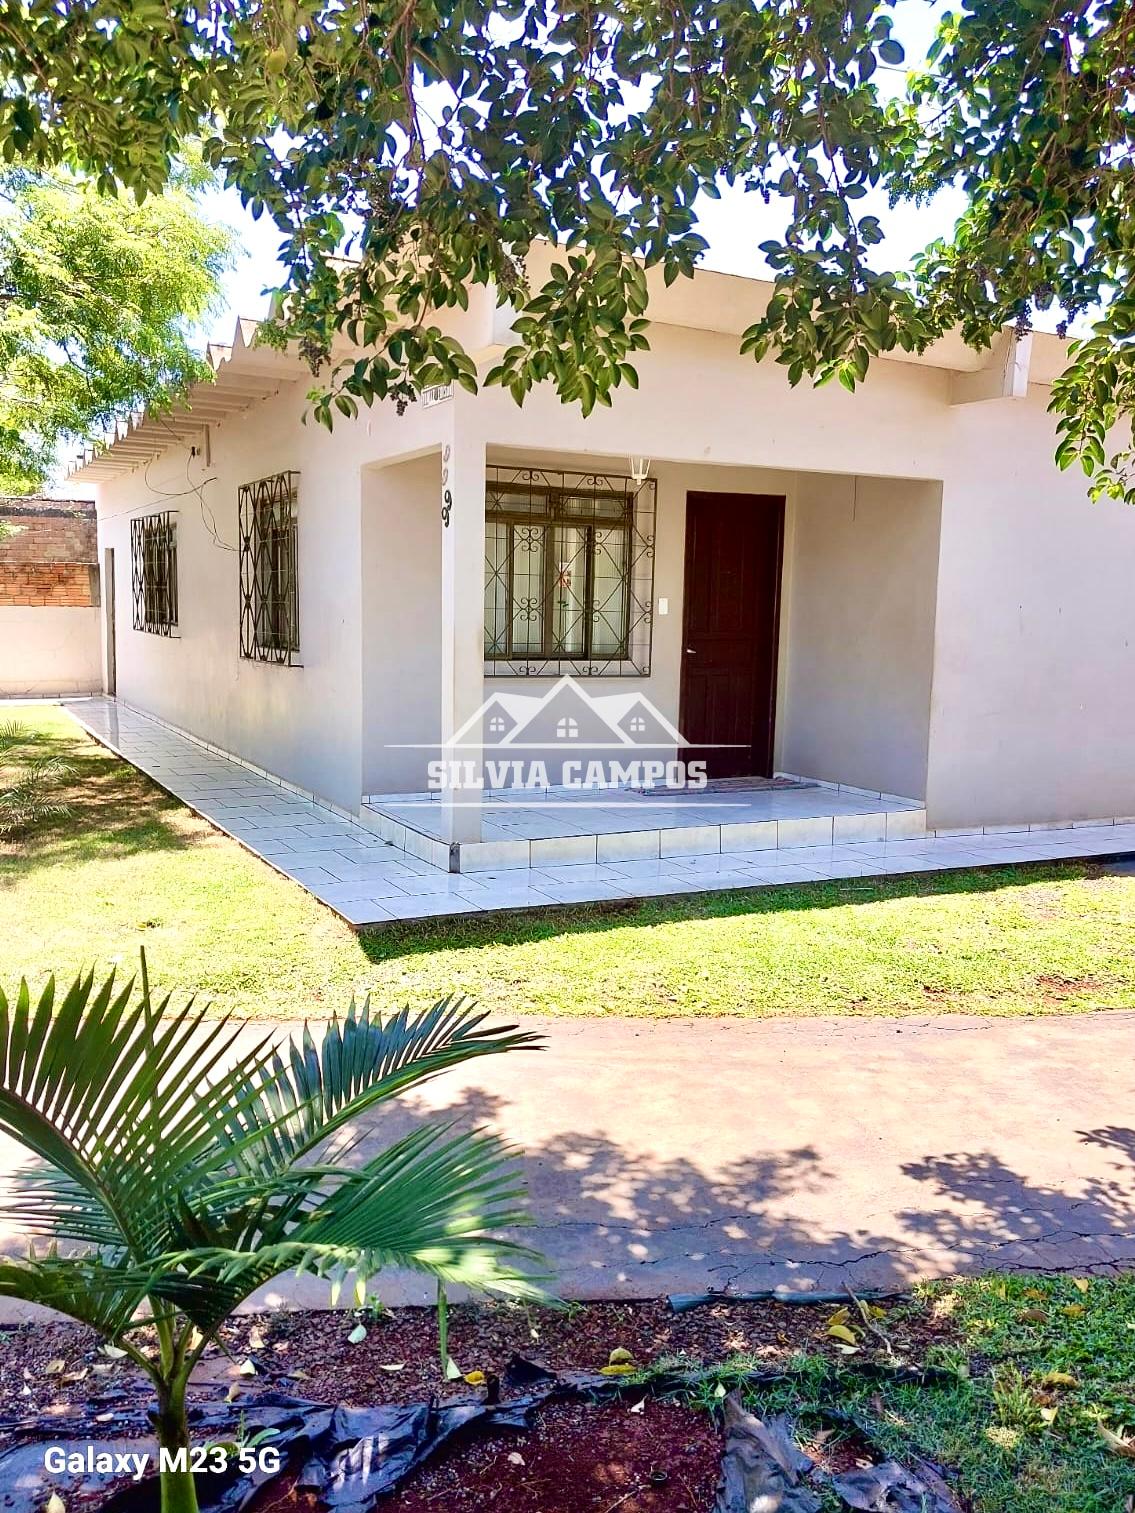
732, 785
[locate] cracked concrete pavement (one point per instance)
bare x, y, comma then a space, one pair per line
687, 1155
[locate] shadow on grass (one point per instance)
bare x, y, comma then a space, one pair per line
519, 927
114, 811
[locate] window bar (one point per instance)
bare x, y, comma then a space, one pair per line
530, 504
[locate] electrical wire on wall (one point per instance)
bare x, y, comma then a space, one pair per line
208, 519
162, 495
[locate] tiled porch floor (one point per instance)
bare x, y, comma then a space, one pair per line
368, 881
559, 815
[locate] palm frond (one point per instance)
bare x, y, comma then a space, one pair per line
361, 1061
14, 734
45, 1202
129, 1119
430, 1203
27, 796
189, 1161
82, 1287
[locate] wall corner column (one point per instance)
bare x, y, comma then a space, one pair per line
462, 525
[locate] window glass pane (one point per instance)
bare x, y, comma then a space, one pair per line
153, 546
569, 591
496, 588
560, 551
609, 593
594, 506
527, 589
269, 585
275, 579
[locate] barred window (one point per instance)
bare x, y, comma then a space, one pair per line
153, 572
569, 572
269, 584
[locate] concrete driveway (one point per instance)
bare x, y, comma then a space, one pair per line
685, 1155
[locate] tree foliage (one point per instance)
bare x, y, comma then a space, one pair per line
190, 1167
436, 140
98, 295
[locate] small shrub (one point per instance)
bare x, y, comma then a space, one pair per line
29, 781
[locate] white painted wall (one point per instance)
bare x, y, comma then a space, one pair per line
401, 563
50, 649
861, 575
302, 723
1033, 713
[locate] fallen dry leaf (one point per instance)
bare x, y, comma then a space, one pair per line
1119, 1441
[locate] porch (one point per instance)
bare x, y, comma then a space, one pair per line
763, 621
564, 827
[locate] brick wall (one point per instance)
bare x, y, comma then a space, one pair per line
51, 556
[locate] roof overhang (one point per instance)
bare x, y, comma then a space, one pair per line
243, 375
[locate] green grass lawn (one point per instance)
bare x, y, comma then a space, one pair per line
1034, 1407
133, 867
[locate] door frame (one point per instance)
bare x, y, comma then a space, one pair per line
109, 644
761, 749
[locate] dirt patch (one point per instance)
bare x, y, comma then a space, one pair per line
657, 1457
1056, 989
46, 1367
580, 1458
838, 1450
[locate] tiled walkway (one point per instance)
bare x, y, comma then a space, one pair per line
368, 881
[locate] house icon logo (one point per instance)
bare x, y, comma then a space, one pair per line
568, 712
566, 738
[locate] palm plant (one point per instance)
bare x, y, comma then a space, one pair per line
193, 1168
28, 781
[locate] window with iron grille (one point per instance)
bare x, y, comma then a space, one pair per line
269, 584
153, 572
569, 573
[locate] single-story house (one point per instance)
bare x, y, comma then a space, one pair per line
893, 590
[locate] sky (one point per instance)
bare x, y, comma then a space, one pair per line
734, 225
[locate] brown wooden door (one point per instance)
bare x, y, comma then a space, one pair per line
729, 630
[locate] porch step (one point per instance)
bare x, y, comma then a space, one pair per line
645, 844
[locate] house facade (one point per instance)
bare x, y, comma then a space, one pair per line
893, 590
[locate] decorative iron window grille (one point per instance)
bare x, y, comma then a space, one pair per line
153, 572
569, 573
269, 582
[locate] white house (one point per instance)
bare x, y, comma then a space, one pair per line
893, 590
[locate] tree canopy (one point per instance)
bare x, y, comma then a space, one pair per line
98, 296
435, 140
